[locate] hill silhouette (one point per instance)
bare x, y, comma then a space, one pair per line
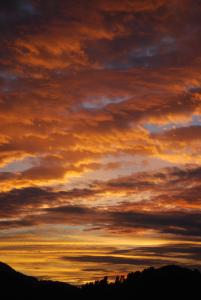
162, 283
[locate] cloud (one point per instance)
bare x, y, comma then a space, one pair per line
100, 105
173, 251
172, 224
19, 202
171, 208
115, 260
176, 223
182, 134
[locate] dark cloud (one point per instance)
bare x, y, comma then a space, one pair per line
115, 260
190, 251
172, 210
21, 201
176, 223
181, 134
174, 251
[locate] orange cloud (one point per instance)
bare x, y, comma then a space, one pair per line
100, 116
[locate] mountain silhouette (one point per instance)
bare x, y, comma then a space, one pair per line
15, 285
162, 283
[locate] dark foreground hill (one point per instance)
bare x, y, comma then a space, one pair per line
162, 283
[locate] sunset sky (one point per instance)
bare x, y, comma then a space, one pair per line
100, 136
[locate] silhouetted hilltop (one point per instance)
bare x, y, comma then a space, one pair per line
9, 274
15, 285
161, 283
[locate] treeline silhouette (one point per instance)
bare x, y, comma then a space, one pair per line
162, 283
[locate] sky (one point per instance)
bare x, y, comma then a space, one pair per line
100, 126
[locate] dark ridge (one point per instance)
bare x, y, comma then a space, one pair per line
162, 283
9, 272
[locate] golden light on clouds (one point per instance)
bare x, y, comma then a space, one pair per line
100, 125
